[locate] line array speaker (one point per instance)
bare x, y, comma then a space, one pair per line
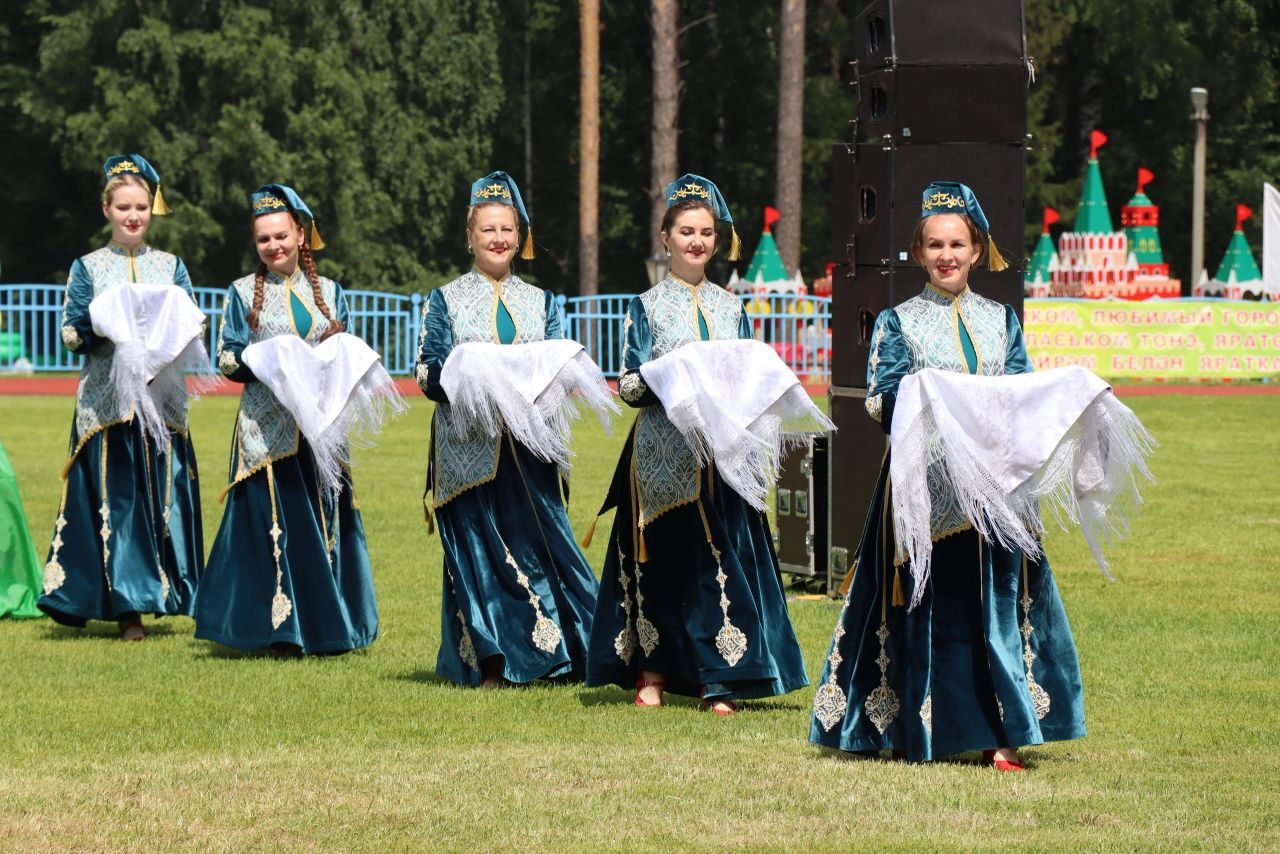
876, 196
921, 104
939, 32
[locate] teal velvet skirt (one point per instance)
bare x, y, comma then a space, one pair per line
516, 585
713, 626
146, 554
986, 660
318, 595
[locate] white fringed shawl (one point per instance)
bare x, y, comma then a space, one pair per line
156, 330
338, 392
535, 390
736, 403
1003, 446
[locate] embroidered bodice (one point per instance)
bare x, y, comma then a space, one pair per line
467, 310
265, 431
658, 321
930, 331
112, 266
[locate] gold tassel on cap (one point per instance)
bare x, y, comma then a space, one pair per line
526, 251
995, 261
735, 245
316, 242
158, 207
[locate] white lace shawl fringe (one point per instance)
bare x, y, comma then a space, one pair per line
1091, 479
488, 402
373, 399
747, 459
164, 397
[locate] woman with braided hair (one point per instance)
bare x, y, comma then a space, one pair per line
289, 569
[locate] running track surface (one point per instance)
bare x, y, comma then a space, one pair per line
66, 385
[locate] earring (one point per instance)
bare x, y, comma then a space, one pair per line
471, 250
668, 248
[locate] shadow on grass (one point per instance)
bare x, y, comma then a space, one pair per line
104, 630
971, 759
426, 677
214, 650
618, 697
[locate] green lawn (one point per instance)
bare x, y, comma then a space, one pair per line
176, 743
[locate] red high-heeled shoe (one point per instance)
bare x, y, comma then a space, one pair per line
642, 683
989, 758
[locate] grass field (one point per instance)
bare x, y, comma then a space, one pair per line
175, 743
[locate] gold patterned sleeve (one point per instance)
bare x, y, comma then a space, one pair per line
233, 337
889, 362
637, 348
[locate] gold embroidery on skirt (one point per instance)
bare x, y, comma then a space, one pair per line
281, 607
625, 643
1039, 696
882, 703
54, 575
829, 702
731, 642
546, 634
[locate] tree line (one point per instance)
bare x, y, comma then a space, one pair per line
381, 114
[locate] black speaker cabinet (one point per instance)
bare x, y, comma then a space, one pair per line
919, 104
888, 182
939, 32
858, 295
855, 452
842, 204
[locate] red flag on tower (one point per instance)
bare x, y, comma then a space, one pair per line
1050, 217
1145, 177
771, 215
1097, 139
1243, 212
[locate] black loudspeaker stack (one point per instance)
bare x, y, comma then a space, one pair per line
941, 92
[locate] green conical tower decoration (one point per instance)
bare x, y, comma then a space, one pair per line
1043, 254
766, 263
1239, 258
1093, 217
1141, 221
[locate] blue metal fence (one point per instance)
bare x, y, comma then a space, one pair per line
797, 327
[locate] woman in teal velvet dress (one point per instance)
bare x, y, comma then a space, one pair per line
289, 569
518, 594
128, 537
691, 599
986, 660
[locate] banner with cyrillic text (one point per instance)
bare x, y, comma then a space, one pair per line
1166, 339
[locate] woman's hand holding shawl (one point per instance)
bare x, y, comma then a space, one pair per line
1003, 446
156, 331
735, 402
338, 391
534, 390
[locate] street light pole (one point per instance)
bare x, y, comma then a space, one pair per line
1200, 104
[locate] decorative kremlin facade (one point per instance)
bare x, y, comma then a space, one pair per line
1093, 261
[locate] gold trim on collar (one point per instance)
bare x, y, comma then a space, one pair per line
697, 307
